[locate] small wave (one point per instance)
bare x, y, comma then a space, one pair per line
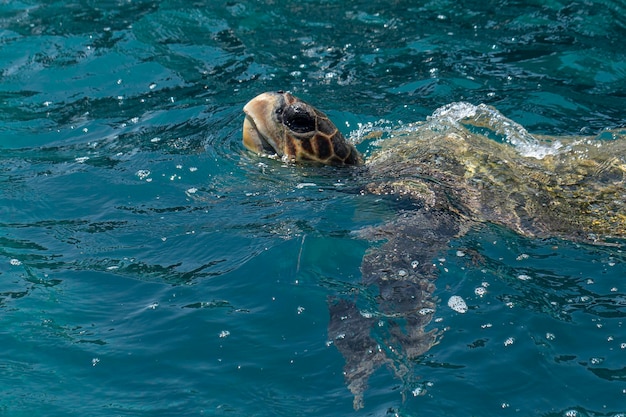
462, 114
481, 119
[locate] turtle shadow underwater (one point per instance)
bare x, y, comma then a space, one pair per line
464, 167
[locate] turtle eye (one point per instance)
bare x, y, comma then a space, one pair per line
298, 119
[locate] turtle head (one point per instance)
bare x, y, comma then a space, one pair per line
278, 123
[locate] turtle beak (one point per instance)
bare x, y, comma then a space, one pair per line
262, 133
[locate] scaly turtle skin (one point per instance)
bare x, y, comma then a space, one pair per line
283, 125
455, 180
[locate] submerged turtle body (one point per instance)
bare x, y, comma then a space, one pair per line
454, 179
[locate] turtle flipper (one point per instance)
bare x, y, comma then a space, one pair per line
402, 271
350, 331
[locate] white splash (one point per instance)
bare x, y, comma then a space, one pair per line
454, 114
457, 304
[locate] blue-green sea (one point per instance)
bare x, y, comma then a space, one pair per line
151, 266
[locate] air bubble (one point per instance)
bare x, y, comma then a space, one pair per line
457, 304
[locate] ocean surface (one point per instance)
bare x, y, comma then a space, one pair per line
150, 266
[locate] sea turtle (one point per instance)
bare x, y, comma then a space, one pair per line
454, 177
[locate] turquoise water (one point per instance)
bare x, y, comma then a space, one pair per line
150, 266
